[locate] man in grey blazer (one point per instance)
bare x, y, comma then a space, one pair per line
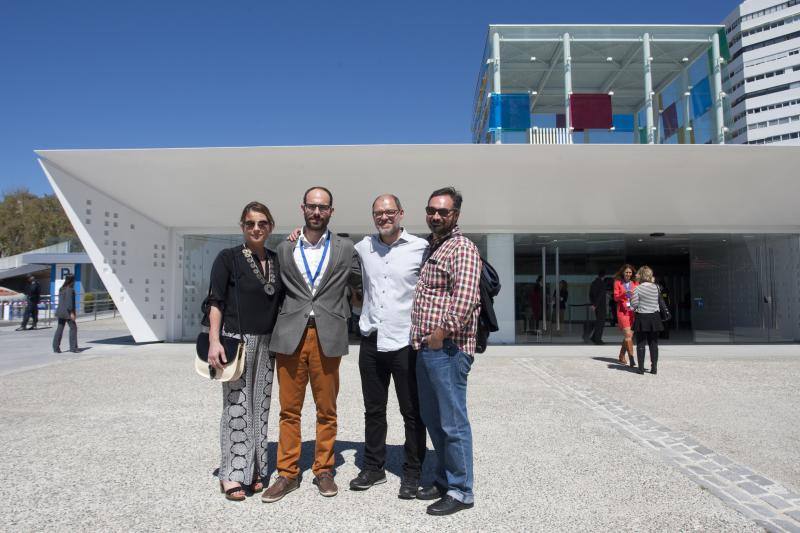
309, 337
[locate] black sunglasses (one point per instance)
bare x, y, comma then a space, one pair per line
443, 212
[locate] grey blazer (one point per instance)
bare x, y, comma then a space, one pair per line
330, 302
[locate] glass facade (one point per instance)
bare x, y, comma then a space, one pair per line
722, 288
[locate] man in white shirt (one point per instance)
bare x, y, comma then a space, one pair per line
390, 262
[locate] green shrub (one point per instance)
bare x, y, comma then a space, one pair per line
88, 302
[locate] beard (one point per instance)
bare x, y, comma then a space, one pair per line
440, 229
388, 230
316, 223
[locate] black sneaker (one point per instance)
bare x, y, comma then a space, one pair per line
408, 488
448, 505
430, 493
367, 478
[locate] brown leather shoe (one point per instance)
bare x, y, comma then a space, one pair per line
327, 487
280, 488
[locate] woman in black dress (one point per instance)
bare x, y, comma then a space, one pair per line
246, 401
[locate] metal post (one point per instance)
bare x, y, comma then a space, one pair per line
96, 302
544, 288
567, 84
648, 89
496, 86
717, 64
685, 103
557, 301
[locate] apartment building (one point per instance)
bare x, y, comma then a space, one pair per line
763, 77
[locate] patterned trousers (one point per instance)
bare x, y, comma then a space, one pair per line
245, 415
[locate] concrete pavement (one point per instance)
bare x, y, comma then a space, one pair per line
564, 440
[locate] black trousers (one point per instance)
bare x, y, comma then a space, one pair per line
595, 327
647, 339
377, 368
31, 312
73, 334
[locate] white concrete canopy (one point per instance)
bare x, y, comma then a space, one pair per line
132, 208
508, 188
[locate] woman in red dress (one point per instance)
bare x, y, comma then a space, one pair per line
623, 291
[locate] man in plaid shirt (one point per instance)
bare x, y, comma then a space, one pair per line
444, 320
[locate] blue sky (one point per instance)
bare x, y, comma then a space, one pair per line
158, 73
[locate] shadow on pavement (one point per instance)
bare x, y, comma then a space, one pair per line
395, 456
614, 364
125, 340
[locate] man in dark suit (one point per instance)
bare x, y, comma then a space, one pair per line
309, 338
597, 300
33, 293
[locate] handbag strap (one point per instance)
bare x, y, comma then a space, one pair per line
236, 296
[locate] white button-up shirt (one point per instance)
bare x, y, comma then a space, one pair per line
390, 274
313, 256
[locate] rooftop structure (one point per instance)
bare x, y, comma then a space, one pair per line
647, 84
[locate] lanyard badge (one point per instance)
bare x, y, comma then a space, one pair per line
312, 279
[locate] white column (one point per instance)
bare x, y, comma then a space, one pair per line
685, 104
500, 253
717, 64
648, 89
496, 86
567, 82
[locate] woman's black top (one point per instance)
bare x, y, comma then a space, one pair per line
257, 309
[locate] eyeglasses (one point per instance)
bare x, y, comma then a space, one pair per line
390, 213
444, 213
323, 208
262, 224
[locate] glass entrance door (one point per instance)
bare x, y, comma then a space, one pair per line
552, 278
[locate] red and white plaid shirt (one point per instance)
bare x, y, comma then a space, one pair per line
447, 294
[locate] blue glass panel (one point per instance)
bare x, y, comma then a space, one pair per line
510, 112
623, 123
701, 97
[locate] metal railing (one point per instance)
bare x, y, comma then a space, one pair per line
90, 305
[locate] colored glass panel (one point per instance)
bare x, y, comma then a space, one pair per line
510, 112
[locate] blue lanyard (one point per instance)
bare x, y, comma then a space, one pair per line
313, 279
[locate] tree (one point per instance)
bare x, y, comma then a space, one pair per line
28, 221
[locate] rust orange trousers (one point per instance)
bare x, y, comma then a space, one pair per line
295, 371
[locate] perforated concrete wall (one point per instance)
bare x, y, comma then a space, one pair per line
130, 252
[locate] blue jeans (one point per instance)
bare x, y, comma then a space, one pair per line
442, 388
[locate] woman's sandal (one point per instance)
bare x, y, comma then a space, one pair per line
257, 486
231, 493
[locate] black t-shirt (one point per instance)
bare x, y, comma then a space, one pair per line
258, 310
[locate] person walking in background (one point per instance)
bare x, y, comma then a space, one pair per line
33, 295
648, 319
535, 302
65, 313
561, 298
444, 323
254, 271
310, 339
390, 263
624, 285
597, 302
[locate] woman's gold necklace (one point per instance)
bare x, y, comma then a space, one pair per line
269, 283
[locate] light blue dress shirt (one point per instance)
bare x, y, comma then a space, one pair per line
390, 274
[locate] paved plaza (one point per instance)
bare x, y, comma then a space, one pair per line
125, 437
